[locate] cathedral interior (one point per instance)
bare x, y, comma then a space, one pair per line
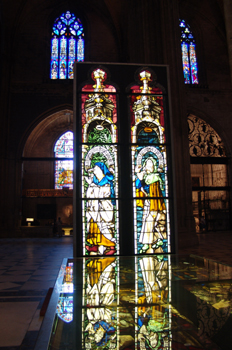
153, 79
37, 104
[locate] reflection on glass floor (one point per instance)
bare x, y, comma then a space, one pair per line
150, 302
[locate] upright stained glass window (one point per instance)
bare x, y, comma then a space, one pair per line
64, 167
67, 46
189, 58
99, 168
149, 168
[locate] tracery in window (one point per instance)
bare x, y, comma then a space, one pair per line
64, 168
99, 168
149, 169
188, 51
210, 193
67, 46
203, 139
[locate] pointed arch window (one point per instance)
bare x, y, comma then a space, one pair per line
209, 173
188, 51
67, 46
64, 168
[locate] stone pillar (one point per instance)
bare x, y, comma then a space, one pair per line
228, 24
185, 228
5, 72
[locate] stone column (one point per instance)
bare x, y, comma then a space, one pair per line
228, 24
185, 234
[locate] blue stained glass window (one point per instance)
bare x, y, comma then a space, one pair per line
71, 58
80, 50
64, 168
188, 51
63, 57
67, 46
54, 58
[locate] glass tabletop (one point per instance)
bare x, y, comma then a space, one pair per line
143, 302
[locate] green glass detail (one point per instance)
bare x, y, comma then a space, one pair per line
99, 136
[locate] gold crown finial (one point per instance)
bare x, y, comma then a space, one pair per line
145, 77
98, 76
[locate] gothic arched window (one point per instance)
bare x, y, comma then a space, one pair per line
67, 46
209, 173
188, 51
64, 167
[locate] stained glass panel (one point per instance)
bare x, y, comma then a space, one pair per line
185, 62
54, 58
99, 170
67, 45
64, 168
80, 50
149, 170
63, 58
189, 58
71, 57
193, 61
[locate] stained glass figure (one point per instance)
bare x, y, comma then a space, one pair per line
150, 182
54, 58
100, 172
67, 46
64, 168
80, 50
189, 58
71, 58
63, 57
100, 303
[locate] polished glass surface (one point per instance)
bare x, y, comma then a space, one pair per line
143, 302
